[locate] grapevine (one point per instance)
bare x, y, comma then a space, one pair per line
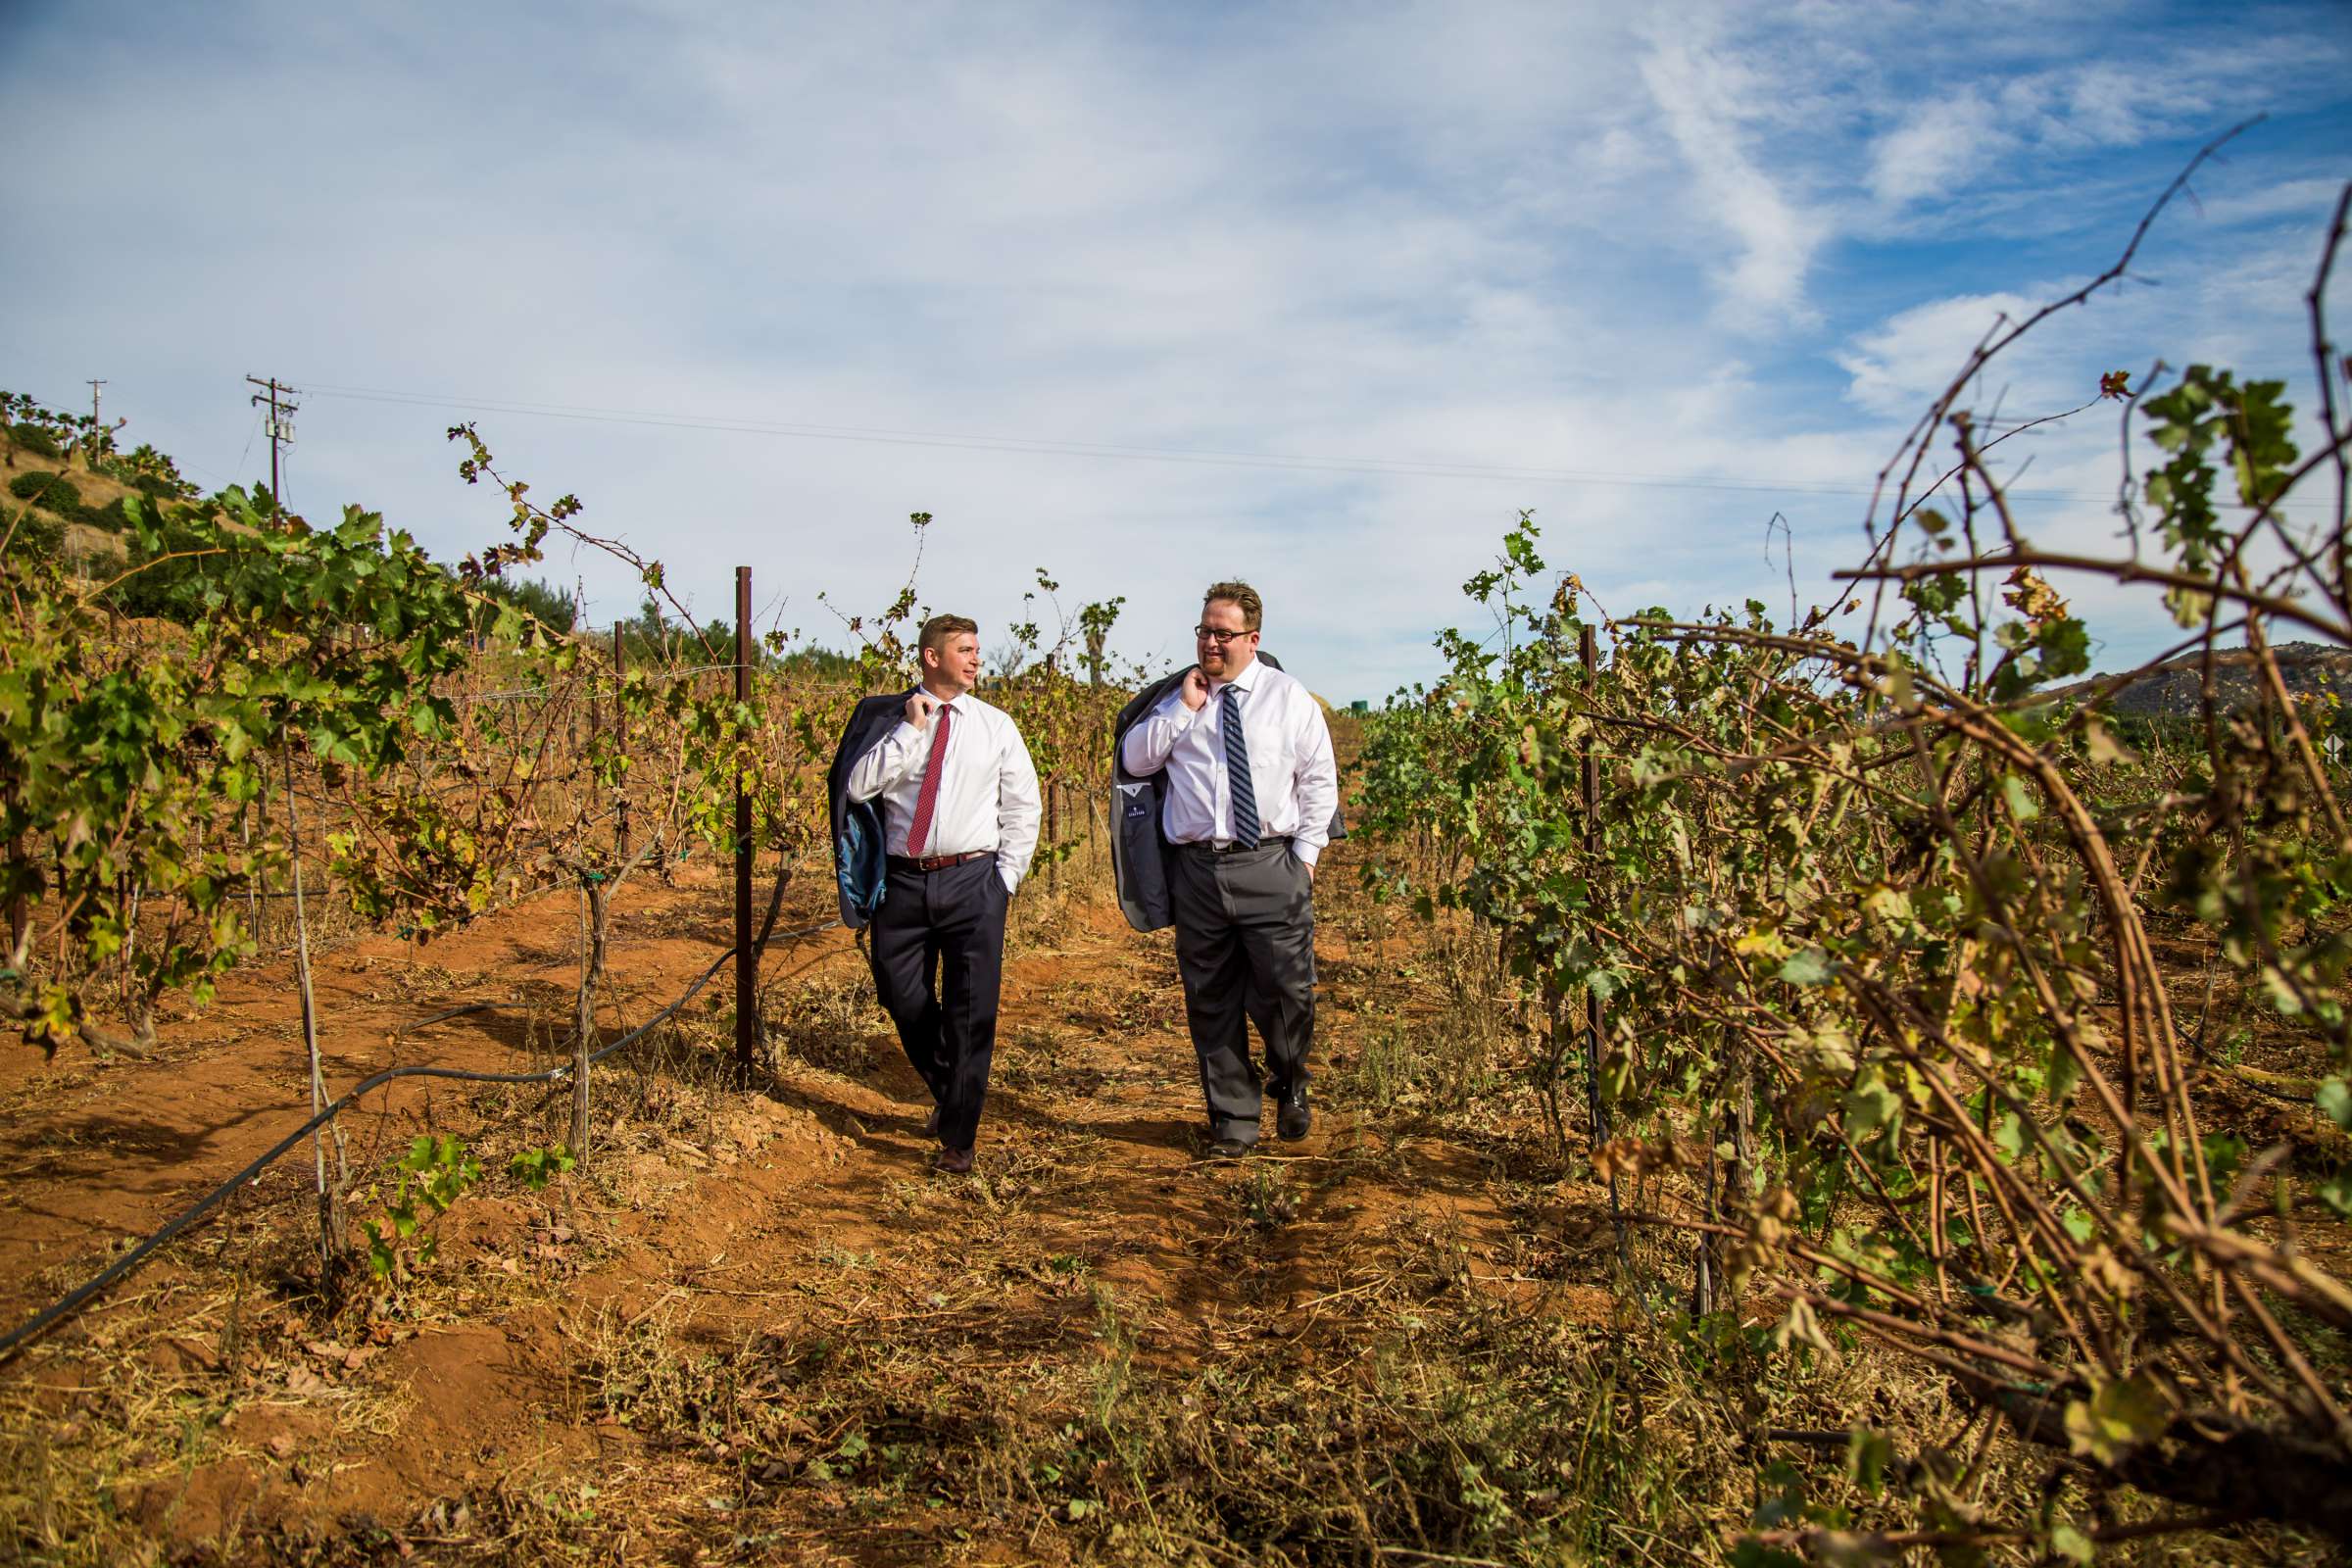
1872, 926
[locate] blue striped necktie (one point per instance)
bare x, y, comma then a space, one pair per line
1236, 771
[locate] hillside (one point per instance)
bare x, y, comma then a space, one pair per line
87, 512
2171, 690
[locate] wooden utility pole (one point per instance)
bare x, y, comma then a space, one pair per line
97, 429
281, 432
747, 962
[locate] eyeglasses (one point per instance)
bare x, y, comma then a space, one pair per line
1217, 635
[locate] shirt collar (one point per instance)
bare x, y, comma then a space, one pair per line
1245, 681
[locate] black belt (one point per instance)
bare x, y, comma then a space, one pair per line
1204, 846
932, 862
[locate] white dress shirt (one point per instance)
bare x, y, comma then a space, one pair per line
988, 796
1292, 773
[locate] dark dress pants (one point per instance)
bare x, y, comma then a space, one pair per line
937, 949
1246, 950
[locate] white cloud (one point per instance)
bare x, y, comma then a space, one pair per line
1935, 146
2308, 200
1700, 93
1522, 236
1903, 365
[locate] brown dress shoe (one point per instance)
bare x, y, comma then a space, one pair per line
953, 1162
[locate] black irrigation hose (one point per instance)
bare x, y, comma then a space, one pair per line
75, 1300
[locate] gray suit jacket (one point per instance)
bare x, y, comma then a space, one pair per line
1138, 847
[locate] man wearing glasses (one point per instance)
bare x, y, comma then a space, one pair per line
1237, 760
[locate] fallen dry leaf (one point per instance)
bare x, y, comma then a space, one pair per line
303, 1383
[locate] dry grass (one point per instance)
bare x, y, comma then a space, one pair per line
103, 1428
1415, 1344
828, 1019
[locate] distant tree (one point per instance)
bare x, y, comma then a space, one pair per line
150, 472
549, 603
1095, 621
27, 425
822, 663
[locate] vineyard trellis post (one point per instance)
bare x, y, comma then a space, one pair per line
252, 897
330, 1229
1588, 651
593, 893
1589, 655
620, 830
19, 914
747, 1000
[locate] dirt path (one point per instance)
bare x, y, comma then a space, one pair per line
757, 1326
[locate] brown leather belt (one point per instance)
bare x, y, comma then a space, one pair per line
932, 862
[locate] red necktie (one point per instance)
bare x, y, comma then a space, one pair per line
928, 797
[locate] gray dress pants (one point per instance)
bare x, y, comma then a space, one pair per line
1246, 950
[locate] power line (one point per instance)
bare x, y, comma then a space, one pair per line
183, 442
248, 452
1044, 447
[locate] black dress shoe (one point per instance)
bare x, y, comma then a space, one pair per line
1292, 1118
1227, 1148
953, 1162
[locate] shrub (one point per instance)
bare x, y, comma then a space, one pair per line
52, 492
170, 589
34, 535
34, 439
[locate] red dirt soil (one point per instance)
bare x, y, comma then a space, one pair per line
804, 1203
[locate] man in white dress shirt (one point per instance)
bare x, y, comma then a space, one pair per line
959, 811
1252, 792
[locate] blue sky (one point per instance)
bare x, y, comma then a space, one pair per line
1656, 273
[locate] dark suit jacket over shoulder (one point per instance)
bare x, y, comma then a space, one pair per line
858, 868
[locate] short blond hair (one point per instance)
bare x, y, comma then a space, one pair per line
1242, 597
939, 628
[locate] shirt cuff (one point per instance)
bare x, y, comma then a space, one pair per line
1307, 854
